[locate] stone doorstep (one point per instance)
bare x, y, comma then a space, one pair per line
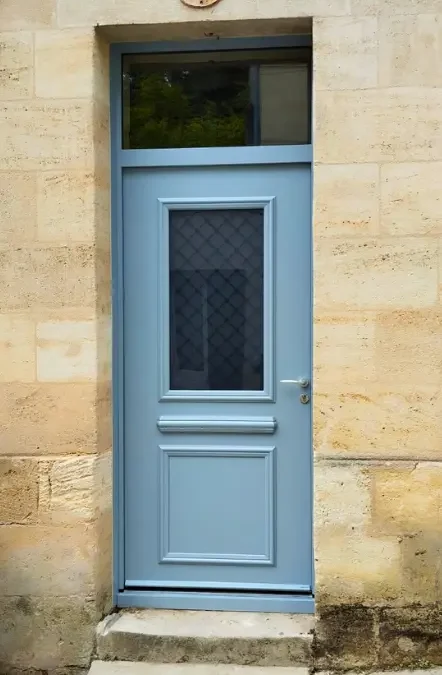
191, 637
132, 668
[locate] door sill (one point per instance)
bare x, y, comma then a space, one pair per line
234, 602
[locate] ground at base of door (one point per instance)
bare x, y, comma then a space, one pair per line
131, 668
197, 637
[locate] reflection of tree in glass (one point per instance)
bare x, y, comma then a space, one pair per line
201, 107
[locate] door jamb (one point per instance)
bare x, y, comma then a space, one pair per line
119, 159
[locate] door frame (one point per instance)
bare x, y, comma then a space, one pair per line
121, 159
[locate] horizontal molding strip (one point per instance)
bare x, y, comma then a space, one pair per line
216, 425
187, 157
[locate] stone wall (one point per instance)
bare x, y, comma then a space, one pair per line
377, 319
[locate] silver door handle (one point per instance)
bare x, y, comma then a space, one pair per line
302, 382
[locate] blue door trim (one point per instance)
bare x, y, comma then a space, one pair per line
131, 158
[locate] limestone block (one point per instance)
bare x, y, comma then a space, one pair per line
342, 497
353, 567
375, 273
48, 419
410, 50
393, 7
18, 491
17, 206
67, 490
16, 73
408, 499
411, 200
17, 349
410, 636
408, 348
66, 203
344, 349
18, 15
345, 638
346, 200
46, 632
47, 561
46, 135
118, 12
66, 351
64, 63
75, 489
66, 277
375, 422
378, 125
345, 51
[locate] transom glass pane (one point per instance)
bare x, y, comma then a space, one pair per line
216, 299
216, 99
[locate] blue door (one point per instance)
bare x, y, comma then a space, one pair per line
217, 370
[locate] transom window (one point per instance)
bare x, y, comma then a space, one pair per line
216, 99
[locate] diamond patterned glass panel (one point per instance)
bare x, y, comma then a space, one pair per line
216, 299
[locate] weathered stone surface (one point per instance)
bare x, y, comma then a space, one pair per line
376, 422
346, 53
17, 349
46, 135
345, 350
75, 489
409, 48
18, 491
67, 351
410, 636
355, 564
411, 202
17, 206
386, 125
46, 633
408, 347
118, 12
36, 15
346, 200
217, 637
47, 561
66, 206
63, 63
41, 419
16, 73
376, 273
407, 499
66, 277
345, 638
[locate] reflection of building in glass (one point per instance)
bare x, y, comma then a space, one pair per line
216, 299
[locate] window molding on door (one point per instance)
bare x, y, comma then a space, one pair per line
267, 393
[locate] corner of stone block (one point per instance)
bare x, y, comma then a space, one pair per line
105, 625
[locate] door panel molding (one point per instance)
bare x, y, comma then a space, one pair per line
263, 454
216, 424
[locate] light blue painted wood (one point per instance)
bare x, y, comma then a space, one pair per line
214, 501
200, 157
256, 154
239, 602
216, 425
200, 544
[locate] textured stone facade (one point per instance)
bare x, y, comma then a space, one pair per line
377, 317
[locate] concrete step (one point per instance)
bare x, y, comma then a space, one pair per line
240, 638
133, 668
